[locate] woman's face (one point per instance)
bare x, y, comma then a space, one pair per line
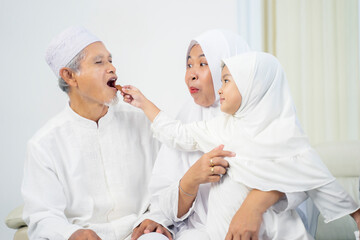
198, 78
230, 97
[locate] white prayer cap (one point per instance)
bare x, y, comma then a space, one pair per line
65, 46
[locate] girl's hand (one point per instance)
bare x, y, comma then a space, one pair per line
133, 96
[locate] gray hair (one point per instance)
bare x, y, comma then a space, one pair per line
74, 64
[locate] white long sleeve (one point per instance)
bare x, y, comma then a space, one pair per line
333, 201
173, 133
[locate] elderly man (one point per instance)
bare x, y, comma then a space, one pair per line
87, 169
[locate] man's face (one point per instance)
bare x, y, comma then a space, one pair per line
96, 80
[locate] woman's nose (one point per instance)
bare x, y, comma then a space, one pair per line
194, 76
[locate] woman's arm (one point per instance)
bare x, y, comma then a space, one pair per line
247, 220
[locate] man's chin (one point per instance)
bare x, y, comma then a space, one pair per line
112, 102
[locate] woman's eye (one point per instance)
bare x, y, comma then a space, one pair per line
226, 80
98, 62
203, 64
189, 66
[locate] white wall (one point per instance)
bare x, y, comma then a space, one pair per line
148, 40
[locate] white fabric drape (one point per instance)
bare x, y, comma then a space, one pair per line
317, 42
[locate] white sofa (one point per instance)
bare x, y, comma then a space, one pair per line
342, 159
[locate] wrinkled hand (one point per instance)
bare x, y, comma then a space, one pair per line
84, 234
203, 172
245, 225
133, 96
148, 226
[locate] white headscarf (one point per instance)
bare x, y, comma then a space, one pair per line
272, 151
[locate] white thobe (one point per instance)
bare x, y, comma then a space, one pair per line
79, 174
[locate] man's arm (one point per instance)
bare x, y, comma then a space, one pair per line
44, 198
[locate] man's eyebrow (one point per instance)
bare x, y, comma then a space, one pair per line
101, 56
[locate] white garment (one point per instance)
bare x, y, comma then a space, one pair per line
172, 164
82, 175
272, 151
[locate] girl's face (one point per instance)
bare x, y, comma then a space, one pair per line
230, 97
198, 78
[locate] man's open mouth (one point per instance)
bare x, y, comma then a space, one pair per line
111, 82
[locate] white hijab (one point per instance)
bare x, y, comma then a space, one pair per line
216, 44
272, 151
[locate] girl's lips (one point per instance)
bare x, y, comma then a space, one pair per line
221, 100
193, 90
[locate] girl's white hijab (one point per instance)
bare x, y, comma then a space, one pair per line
272, 151
267, 112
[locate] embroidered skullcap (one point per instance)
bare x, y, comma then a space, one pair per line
65, 46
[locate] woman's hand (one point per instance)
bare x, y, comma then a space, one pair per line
245, 224
208, 168
133, 96
247, 220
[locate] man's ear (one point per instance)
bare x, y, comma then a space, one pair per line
69, 76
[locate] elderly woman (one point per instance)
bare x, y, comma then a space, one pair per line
184, 177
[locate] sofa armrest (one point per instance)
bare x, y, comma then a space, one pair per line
343, 160
14, 219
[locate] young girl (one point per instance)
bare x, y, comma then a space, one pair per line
272, 152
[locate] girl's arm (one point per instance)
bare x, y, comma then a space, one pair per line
185, 137
133, 96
